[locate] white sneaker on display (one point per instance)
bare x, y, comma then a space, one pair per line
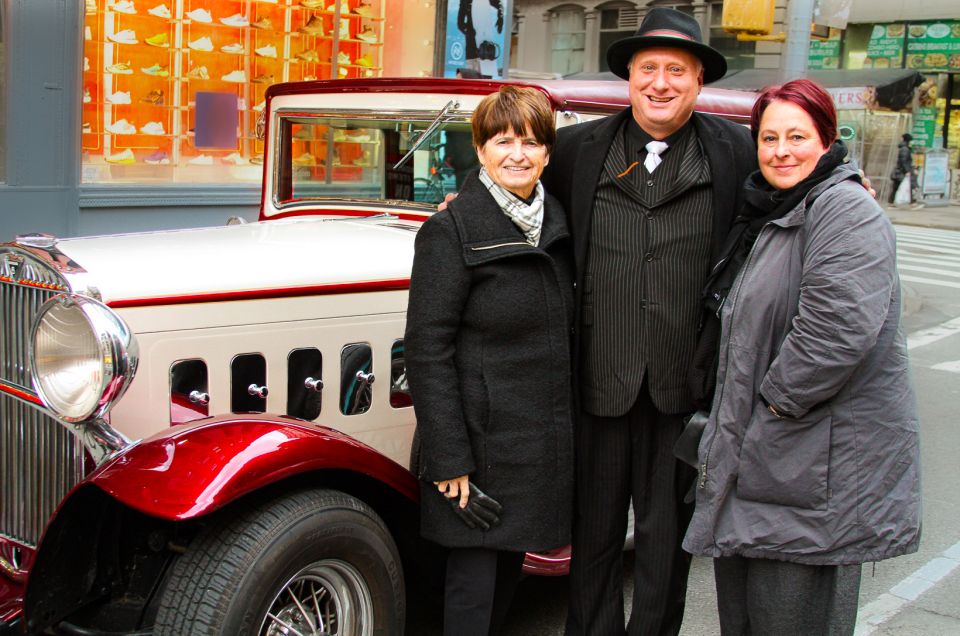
201, 160
120, 97
235, 77
236, 20
267, 51
152, 128
201, 44
200, 15
123, 6
234, 49
127, 36
121, 127
160, 11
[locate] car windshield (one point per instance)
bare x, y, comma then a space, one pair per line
324, 157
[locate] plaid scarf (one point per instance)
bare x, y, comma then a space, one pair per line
529, 218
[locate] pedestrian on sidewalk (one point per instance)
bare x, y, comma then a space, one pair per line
903, 169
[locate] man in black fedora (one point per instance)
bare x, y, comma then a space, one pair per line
650, 194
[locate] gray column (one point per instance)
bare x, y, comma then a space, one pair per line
591, 45
44, 58
793, 64
700, 15
520, 19
548, 22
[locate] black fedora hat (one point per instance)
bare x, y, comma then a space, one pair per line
664, 27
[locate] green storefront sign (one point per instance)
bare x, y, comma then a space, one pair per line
934, 46
825, 54
885, 48
924, 127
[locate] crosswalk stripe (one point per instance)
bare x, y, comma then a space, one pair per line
940, 260
929, 270
929, 281
928, 251
932, 248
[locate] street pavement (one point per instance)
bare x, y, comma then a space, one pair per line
944, 218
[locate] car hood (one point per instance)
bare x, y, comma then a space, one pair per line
275, 257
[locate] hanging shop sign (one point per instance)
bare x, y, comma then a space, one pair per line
924, 126
885, 48
825, 54
934, 46
854, 97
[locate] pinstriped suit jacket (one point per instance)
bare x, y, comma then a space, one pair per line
574, 172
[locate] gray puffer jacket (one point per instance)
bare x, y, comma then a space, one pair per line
812, 327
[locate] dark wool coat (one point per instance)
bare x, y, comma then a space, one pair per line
488, 362
577, 160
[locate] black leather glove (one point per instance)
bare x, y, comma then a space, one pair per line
482, 511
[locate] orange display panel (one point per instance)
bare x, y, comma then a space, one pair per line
145, 61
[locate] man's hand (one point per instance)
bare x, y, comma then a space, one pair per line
447, 199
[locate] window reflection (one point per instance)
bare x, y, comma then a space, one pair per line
352, 157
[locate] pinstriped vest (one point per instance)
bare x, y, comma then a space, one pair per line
649, 254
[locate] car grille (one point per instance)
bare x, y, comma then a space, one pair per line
40, 460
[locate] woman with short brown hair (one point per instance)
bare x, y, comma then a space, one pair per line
488, 361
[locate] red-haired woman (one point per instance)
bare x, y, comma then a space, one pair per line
809, 463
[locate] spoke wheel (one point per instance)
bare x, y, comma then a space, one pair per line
307, 563
327, 598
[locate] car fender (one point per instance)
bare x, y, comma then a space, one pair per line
193, 469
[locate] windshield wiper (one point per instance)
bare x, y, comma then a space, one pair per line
429, 131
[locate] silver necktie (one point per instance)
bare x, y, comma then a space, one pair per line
654, 148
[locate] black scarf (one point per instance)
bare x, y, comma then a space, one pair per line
762, 203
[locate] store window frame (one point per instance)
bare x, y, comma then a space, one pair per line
558, 15
234, 176
617, 19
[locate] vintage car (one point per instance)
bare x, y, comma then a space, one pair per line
208, 431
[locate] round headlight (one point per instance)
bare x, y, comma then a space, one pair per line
83, 357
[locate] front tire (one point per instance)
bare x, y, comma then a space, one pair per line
319, 561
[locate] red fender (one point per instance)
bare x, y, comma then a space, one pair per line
193, 469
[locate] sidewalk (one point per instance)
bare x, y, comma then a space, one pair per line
944, 218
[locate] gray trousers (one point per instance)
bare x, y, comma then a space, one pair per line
770, 598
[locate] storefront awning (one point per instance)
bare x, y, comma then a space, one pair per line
893, 87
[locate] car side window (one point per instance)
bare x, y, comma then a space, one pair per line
304, 383
399, 388
356, 378
189, 396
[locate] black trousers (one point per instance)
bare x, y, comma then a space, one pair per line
761, 596
479, 587
619, 459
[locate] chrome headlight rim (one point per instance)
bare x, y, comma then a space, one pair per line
117, 349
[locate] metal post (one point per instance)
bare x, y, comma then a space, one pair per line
797, 48
946, 113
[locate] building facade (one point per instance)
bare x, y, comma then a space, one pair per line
127, 115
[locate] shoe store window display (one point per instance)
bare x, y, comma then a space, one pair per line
145, 61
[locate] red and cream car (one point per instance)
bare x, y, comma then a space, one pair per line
208, 431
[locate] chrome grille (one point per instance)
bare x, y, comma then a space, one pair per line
40, 460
